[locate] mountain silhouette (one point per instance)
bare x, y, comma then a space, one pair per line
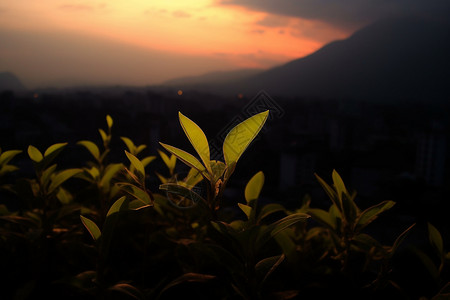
401, 58
8, 81
212, 78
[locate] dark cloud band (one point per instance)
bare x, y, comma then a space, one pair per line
350, 13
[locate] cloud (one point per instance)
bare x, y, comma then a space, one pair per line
82, 7
181, 14
346, 14
273, 21
76, 7
258, 31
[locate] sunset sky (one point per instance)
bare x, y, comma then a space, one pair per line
138, 42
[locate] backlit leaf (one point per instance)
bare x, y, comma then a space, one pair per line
136, 163
323, 217
254, 186
91, 227
147, 160
176, 189
35, 154
338, 185
267, 265
103, 135
110, 171
64, 196
140, 148
91, 147
54, 148
329, 190
47, 174
246, 209
61, 177
7, 156
197, 138
371, 213
129, 143
217, 169
240, 137
117, 206
435, 238
136, 192
269, 209
129, 290
185, 157
109, 121
188, 277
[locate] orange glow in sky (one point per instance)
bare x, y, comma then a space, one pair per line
229, 37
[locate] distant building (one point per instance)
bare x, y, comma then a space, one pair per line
431, 155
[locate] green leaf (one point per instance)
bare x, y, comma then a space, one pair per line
371, 213
7, 169
103, 135
185, 192
267, 265
339, 186
273, 229
185, 157
169, 162
193, 178
428, 263
91, 227
54, 148
269, 209
136, 192
197, 138
135, 162
61, 177
110, 171
137, 205
188, 277
246, 209
35, 154
64, 196
162, 178
109, 121
47, 174
329, 190
287, 244
288, 221
400, 239
254, 186
91, 147
435, 238
127, 289
140, 148
366, 243
323, 217
217, 169
7, 156
130, 145
117, 206
94, 172
147, 160
240, 137
349, 208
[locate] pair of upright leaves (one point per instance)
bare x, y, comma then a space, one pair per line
235, 143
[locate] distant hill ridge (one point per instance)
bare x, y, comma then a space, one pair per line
212, 78
9, 81
401, 58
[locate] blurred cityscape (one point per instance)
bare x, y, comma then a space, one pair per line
385, 151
